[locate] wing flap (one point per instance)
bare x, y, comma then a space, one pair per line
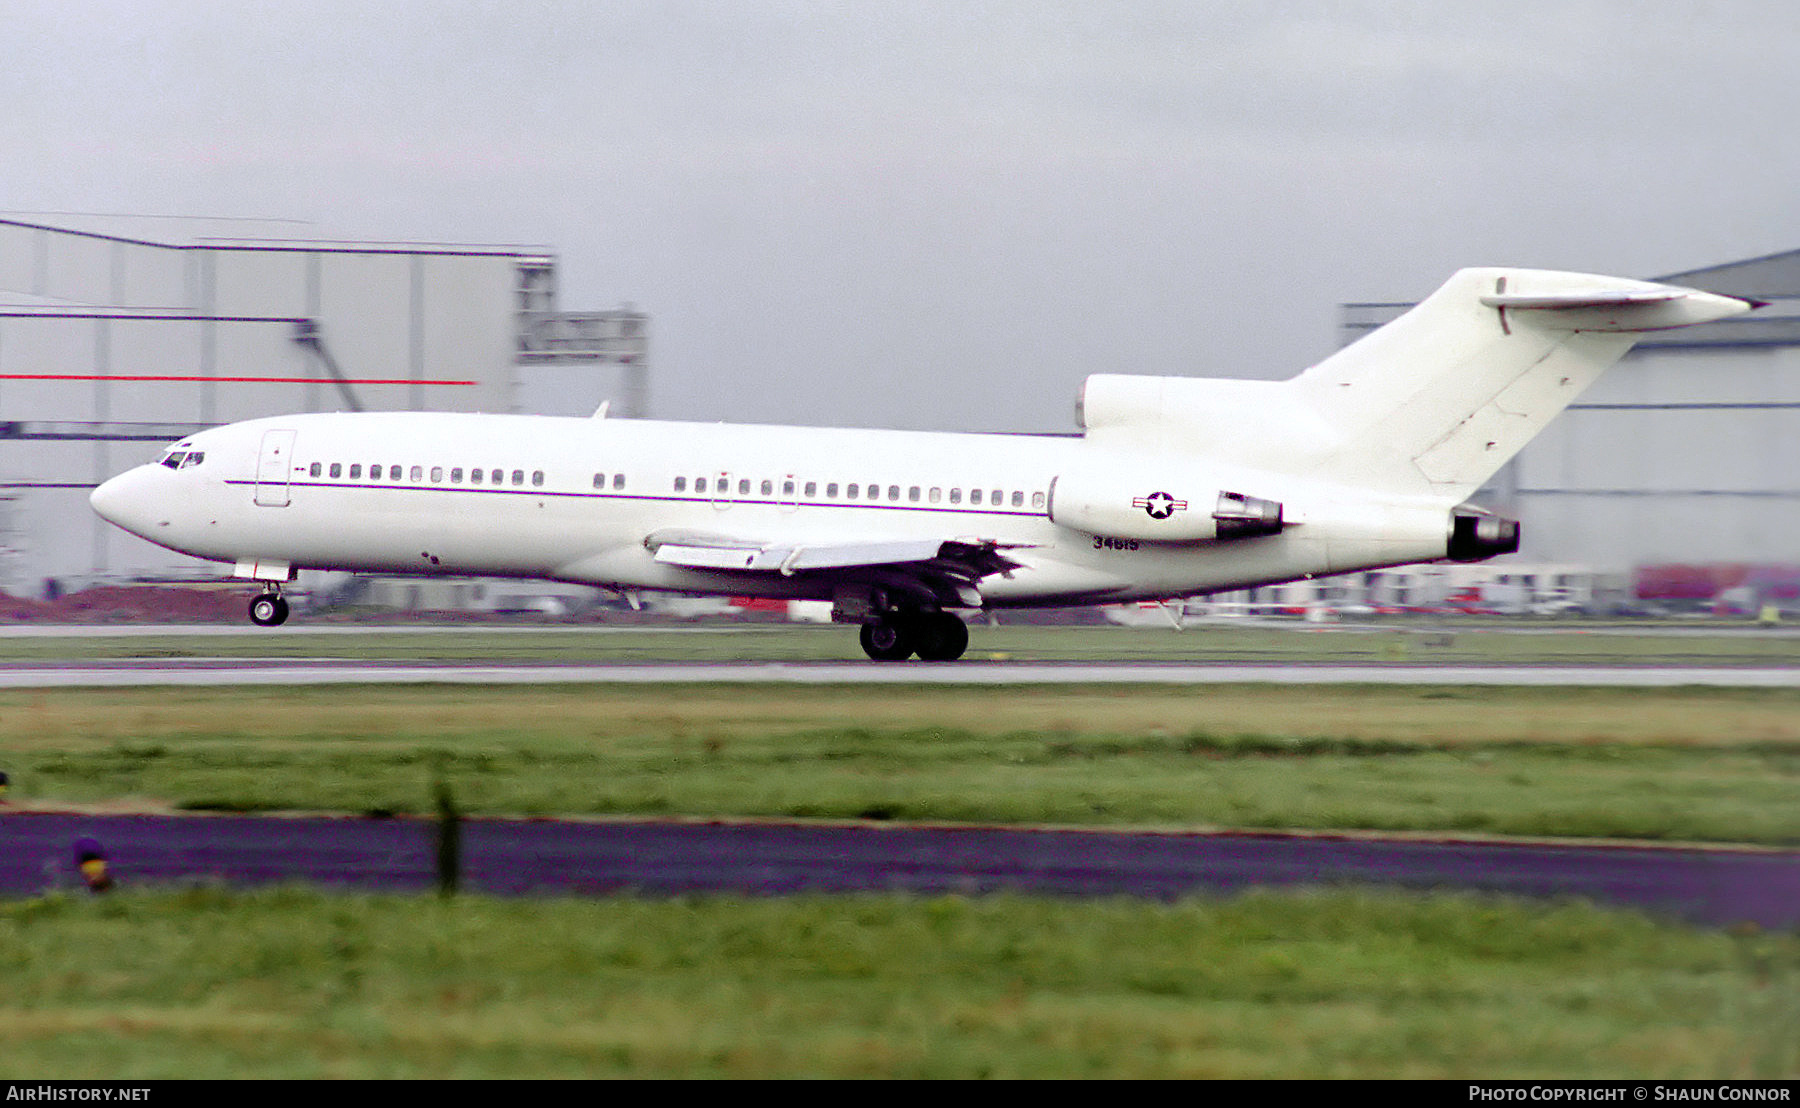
709, 557
792, 558
945, 571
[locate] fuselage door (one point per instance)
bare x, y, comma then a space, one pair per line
274, 468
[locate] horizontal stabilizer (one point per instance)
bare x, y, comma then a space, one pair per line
1638, 307
1561, 300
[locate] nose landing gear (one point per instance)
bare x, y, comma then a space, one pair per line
269, 609
933, 636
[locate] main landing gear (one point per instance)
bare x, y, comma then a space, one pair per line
933, 636
269, 609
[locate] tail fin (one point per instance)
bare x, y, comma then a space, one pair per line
1431, 404
1438, 400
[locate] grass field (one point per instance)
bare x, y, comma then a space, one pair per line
288, 983
208, 982
1671, 764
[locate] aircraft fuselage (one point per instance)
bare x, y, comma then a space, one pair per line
574, 499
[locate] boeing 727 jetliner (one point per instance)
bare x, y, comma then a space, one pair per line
1177, 486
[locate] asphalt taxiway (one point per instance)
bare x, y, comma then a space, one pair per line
513, 857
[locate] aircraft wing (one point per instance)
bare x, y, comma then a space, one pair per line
937, 571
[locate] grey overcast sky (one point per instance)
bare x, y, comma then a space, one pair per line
933, 214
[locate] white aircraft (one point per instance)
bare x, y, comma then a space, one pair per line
1177, 487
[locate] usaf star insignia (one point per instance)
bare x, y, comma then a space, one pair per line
1159, 505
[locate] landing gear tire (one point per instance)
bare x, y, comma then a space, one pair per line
940, 637
887, 640
268, 610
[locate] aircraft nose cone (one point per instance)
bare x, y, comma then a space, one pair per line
107, 498
122, 501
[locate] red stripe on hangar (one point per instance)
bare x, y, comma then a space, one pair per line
222, 380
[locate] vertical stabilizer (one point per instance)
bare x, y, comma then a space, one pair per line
1436, 401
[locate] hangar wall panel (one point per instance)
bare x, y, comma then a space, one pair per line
40, 361
1674, 456
460, 345
151, 277
365, 303
78, 268
256, 282
258, 370
20, 253
153, 348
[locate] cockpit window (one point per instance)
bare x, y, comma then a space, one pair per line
180, 457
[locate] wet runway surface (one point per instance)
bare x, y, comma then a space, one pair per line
544, 857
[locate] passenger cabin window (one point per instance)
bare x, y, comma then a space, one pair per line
337, 469
618, 480
831, 490
956, 496
680, 484
518, 477
315, 469
768, 488
851, 491
356, 471
974, 496
893, 492
1018, 499
437, 474
699, 484
475, 477
456, 475
811, 490
1037, 500
537, 478
393, 473
744, 486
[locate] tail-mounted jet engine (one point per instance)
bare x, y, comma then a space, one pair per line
1109, 506
1476, 535
1244, 517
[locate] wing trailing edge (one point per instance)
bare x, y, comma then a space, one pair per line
941, 571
